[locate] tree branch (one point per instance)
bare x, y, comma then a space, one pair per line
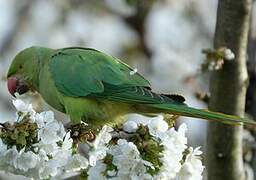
228, 90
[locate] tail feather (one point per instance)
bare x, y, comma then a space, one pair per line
173, 104
203, 114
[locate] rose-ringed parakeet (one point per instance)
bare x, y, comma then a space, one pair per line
93, 87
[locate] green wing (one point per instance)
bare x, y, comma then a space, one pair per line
81, 72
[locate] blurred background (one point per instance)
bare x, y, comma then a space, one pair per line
163, 39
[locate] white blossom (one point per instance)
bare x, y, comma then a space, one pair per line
139, 119
44, 118
228, 54
10, 156
103, 137
128, 162
96, 172
192, 168
50, 157
175, 144
46, 171
126, 158
157, 126
53, 156
99, 145
3, 147
24, 108
96, 155
130, 126
76, 162
26, 160
216, 65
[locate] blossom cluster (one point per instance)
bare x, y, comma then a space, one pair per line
151, 151
215, 58
38, 146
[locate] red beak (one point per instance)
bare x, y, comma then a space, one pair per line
12, 85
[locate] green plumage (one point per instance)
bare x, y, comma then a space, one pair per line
97, 88
88, 72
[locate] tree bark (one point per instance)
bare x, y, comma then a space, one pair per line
228, 91
251, 91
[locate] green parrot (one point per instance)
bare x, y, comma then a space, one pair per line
95, 88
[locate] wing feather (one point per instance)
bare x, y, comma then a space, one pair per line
80, 72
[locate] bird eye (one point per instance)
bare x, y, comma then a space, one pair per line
20, 66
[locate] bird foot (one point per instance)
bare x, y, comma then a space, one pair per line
81, 133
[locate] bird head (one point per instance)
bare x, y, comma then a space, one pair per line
23, 72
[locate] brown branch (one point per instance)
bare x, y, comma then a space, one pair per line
251, 91
228, 89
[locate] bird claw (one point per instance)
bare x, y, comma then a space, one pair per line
81, 133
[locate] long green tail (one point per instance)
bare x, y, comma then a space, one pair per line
173, 104
184, 110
